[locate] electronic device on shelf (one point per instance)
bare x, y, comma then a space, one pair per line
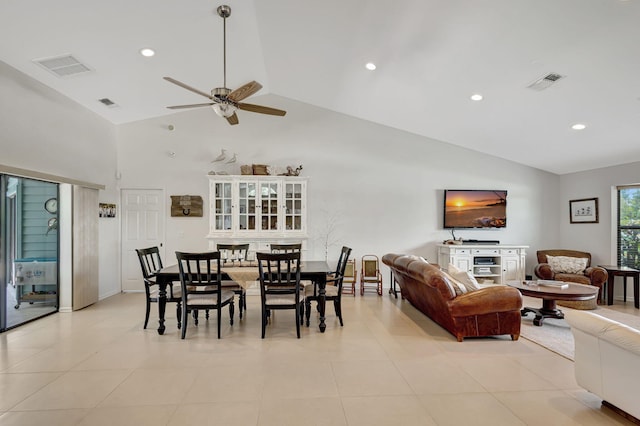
484, 261
481, 241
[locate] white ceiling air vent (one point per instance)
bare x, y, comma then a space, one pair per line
545, 82
63, 66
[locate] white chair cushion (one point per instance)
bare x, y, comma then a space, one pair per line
177, 292
331, 291
230, 284
310, 290
208, 299
282, 299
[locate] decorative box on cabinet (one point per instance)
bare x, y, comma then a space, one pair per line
490, 264
257, 209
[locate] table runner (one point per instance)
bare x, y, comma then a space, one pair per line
243, 275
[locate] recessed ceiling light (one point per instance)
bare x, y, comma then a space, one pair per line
147, 52
476, 97
370, 66
579, 126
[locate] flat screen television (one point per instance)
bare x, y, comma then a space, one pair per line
473, 208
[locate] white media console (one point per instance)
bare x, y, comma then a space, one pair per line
489, 263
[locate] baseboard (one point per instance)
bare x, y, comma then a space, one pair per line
621, 412
104, 296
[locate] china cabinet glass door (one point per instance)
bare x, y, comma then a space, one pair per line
293, 206
269, 206
247, 206
222, 205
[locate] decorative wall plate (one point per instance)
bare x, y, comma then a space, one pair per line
51, 205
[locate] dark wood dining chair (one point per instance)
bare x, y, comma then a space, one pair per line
201, 286
333, 289
286, 248
280, 286
231, 253
150, 263
292, 248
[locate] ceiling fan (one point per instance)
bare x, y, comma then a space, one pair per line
225, 101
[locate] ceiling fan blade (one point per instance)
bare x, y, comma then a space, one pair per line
233, 119
261, 109
245, 91
190, 106
185, 86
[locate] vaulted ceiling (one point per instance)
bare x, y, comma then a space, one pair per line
431, 56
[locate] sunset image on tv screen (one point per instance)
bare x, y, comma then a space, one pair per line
475, 209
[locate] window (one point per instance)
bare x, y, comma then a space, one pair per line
629, 226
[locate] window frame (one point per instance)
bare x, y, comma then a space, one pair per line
620, 250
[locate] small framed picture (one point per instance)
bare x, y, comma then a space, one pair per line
107, 210
584, 210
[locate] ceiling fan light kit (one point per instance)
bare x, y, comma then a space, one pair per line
224, 109
224, 101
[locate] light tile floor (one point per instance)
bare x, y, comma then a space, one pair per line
389, 365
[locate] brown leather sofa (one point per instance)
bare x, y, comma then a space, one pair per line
488, 311
595, 276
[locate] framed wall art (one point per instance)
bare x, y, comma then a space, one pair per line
186, 206
584, 210
106, 210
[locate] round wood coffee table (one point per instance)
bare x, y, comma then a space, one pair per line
549, 295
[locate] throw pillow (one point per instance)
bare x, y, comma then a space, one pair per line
463, 277
457, 286
566, 264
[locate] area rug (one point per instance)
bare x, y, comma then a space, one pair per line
555, 334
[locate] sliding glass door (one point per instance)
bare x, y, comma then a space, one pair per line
28, 250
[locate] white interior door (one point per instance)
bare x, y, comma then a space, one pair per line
142, 226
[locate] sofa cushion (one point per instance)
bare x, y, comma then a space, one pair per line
457, 287
566, 264
464, 278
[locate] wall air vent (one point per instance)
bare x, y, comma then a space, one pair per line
63, 66
545, 82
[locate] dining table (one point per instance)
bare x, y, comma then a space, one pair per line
246, 274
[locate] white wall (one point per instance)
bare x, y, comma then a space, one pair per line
599, 238
384, 184
46, 132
